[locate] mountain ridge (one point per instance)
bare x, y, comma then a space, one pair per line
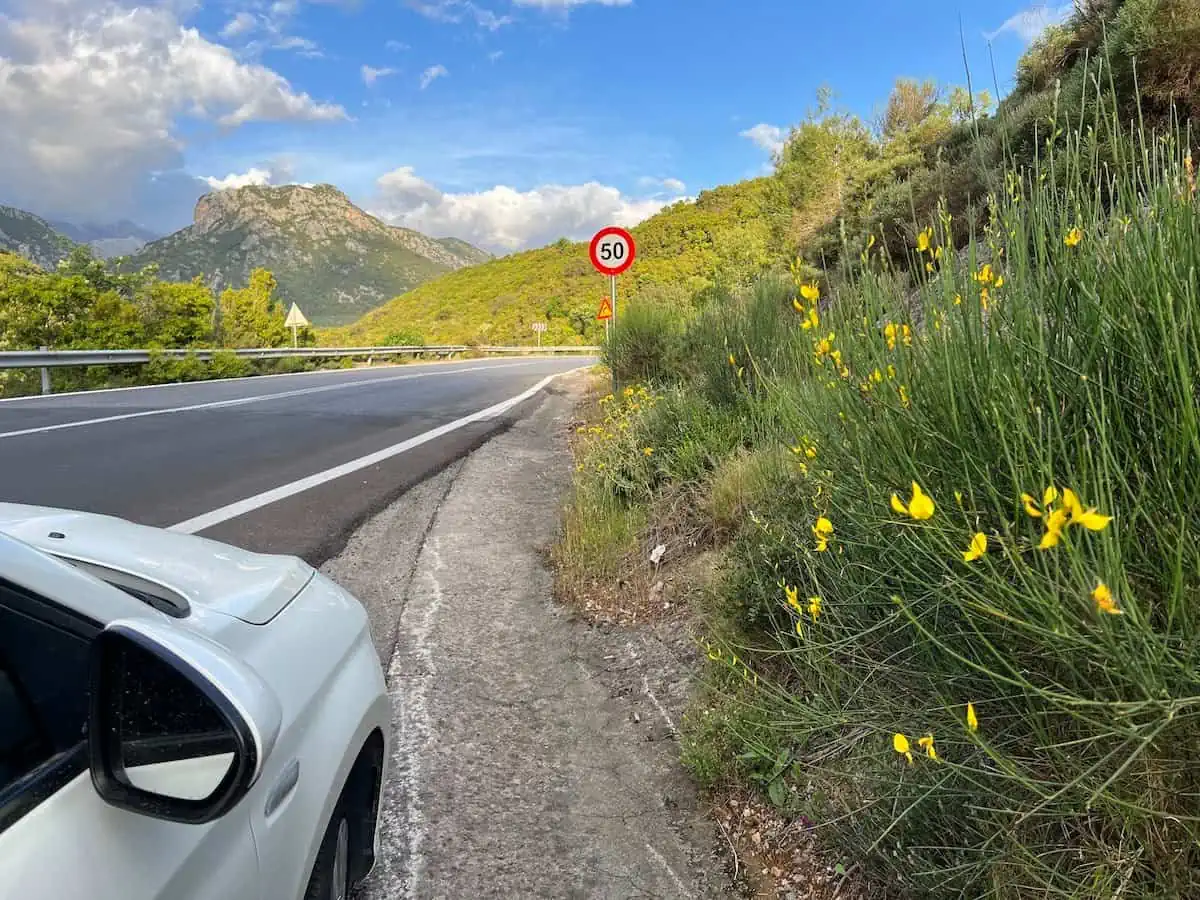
332, 258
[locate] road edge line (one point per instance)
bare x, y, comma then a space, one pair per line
291, 489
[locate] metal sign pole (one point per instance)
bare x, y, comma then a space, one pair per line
613, 279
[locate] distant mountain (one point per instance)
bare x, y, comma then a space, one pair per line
32, 237
116, 239
334, 260
720, 238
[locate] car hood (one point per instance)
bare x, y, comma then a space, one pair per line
253, 587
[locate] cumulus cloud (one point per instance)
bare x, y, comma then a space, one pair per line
1029, 23
504, 219
90, 102
769, 137
370, 74
432, 74
255, 177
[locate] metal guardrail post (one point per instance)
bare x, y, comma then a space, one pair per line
46, 388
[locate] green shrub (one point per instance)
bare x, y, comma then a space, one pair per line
227, 364
644, 345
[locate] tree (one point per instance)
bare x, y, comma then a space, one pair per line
177, 315
253, 316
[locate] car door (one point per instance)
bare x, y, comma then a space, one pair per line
58, 839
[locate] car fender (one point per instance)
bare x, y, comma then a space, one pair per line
324, 666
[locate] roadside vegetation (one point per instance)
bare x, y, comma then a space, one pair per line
87, 304
948, 450
721, 238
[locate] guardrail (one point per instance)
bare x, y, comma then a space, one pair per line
47, 359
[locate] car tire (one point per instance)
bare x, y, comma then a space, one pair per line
330, 879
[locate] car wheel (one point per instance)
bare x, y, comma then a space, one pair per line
330, 878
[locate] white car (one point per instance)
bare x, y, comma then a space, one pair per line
180, 719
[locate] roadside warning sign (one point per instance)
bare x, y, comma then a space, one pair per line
605, 310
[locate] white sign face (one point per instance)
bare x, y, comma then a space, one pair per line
612, 250
295, 318
539, 326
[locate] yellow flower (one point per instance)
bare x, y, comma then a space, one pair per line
903, 397
1074, 236
977, 549
822, 544
1031, 506
985, 275
889, 332
607, 399
900, 745
891, 370
1089, 518
929, 267
907, 335
823, 526
958, 497
1055, 523
1049, 495
810, 292
921, 505
877, 376
793, 597
924, 239
999, 282
797, 306
649, 451
927, 743
1104, 600
871, 237
628, 392
985, 299
972, 720
814, 607
800, 627
732, 360
812, 320
811, 452
937, 254
958, 299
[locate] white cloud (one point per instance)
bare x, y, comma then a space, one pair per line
668, 185
455, 11
90, 101
495, 55
432, 74
567, 4
504, 219
256, 177
370, 74
769, 137
396, 46
242, 23
1029, 23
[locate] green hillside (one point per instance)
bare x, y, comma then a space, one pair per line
719, 239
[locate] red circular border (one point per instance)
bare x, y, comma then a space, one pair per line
608, 270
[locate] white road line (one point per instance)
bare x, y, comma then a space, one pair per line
241, 507
241, 401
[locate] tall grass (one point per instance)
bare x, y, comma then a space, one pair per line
1068, 363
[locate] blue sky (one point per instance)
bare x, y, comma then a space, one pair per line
506, 122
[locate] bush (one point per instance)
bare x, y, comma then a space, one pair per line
227, 364
644, 345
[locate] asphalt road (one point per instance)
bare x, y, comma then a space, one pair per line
166, 455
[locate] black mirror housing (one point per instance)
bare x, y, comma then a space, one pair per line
151, 706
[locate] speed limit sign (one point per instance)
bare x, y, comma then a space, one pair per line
612, 251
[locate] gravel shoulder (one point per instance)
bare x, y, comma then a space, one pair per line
534, 753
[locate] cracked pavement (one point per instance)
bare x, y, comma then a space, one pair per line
534, 754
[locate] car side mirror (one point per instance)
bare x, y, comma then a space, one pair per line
178, 729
